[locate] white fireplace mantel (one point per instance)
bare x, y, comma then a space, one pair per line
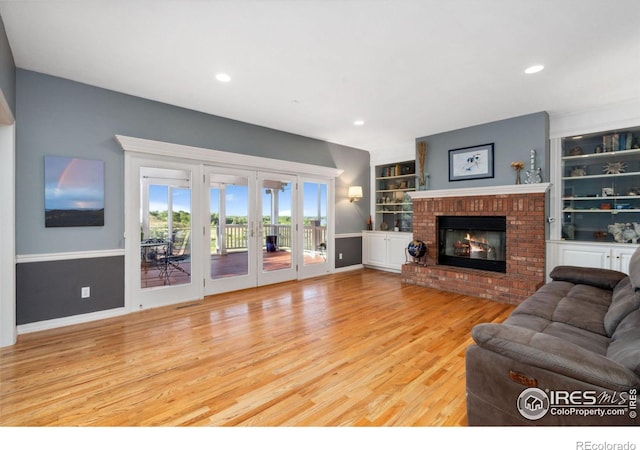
482, 191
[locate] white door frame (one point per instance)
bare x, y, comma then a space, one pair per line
137, 149
135, 296
233, 283
8, 329
290, 273
329, 265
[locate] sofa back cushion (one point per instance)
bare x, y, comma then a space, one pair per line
634, 269
624, 300
625, 342
591, 276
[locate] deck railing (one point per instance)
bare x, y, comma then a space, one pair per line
235, 236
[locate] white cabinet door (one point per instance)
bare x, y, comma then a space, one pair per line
600, 255
397, 243
375, 246
385, 250
621, 258
585, 256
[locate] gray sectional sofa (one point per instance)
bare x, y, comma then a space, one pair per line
567, 355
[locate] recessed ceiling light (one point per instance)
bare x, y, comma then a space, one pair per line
534, 69
223, 77
577, 137
358, 122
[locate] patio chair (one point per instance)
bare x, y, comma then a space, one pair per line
178, 253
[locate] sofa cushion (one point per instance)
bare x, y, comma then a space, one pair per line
625, 342
602, 278
578, 305
634, 269
625, 299
544, 301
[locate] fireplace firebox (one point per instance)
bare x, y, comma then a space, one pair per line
475, 242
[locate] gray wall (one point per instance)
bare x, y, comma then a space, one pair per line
62, 117
513, 139
51, 289
351, 250
65, 118
7, 70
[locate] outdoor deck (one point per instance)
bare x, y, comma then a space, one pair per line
227, 265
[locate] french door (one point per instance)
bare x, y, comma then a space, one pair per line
251, 237
314, 218
160, 237
194, 229
277, 258
231, 252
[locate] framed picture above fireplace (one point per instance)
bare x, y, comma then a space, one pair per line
471, 163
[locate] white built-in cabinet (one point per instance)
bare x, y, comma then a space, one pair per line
595, 197
385, 250
598, 255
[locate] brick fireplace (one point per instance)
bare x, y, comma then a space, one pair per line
524, 209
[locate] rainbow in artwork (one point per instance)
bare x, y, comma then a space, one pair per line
74, 192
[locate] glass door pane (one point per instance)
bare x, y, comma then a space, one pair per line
165, 228
231, 231
314, 223
278, 240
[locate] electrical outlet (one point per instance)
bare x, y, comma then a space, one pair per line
85, 292
339, 255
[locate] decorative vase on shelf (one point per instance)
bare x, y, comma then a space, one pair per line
518, 181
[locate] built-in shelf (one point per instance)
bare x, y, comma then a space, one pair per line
598, 210
604, 175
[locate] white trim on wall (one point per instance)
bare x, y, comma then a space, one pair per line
484, 190
71, 320
348, 235
235, 160
8, 331
43, 257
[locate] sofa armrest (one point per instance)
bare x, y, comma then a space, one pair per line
600, 278
554, 354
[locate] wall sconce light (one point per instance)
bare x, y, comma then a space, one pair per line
355, 193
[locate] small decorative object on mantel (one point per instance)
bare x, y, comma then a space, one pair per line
369, 224
517, 166
534, 175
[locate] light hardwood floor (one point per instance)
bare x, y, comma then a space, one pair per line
355, 348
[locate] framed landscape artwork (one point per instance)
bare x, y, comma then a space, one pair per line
470, 163
74, 192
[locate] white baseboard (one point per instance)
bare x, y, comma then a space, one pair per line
71, 320
348, 268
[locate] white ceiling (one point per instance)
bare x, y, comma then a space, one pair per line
408, 68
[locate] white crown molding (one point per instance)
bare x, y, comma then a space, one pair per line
158, 148
43, 257
485, 190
